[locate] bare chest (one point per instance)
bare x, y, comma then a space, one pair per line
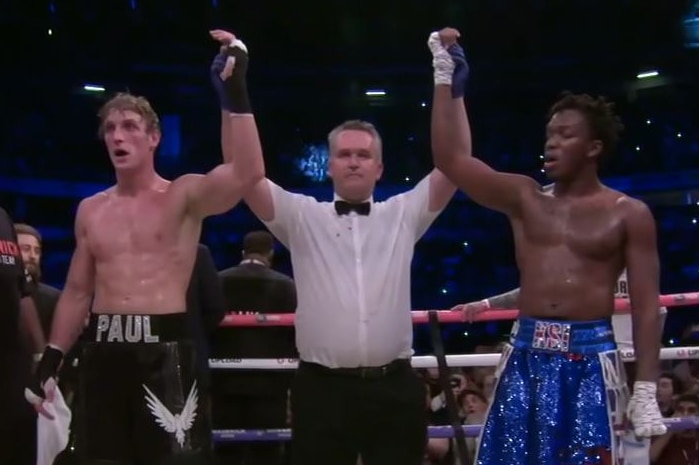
130, 226
589, 228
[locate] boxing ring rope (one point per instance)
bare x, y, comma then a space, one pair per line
421, 316
447, 316
471, 431
429, 361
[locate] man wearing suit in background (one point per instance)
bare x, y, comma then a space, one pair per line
254, 399
206, 305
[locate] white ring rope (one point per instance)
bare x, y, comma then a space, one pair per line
473, 360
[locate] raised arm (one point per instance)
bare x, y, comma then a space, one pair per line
451, 134
223, 187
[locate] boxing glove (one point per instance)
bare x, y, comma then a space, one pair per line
643, 411
228, 75
44, 380
450, 65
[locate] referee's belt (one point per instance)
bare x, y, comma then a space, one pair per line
397, 365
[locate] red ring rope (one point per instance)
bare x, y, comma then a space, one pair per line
448, 316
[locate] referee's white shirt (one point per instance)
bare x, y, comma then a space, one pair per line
352, 275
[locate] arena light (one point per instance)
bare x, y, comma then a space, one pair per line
93, 88
375, 93
647, 74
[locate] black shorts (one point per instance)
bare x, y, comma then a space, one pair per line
140, 399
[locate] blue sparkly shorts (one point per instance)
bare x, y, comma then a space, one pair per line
559, 399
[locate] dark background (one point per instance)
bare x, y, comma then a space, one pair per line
311, 65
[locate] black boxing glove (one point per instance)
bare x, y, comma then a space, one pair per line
45, 376
235, 85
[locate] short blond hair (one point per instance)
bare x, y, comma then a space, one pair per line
356, 125
124, 101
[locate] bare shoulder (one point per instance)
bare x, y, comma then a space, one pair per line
186, 180
635, 213
626, 204
182, 185
89, 204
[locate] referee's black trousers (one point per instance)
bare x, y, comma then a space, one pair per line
378, 413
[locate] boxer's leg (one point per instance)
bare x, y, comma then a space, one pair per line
596, 396
103, 415
172, 423
509, 414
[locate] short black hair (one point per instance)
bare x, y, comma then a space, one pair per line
258, 242
603, 121
677, 384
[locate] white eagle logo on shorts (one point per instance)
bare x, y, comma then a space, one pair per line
178, 423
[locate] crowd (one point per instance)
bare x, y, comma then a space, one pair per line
678, 397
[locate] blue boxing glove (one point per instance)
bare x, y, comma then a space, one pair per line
228, 75
450, 65
216, 71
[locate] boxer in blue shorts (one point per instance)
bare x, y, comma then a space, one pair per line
561, 396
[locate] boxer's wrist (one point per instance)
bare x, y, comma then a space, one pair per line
644, 389
238, 99
49, 363
442, 78
236, 84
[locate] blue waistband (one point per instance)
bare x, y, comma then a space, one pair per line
580, 337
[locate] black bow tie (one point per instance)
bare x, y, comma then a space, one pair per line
344, 208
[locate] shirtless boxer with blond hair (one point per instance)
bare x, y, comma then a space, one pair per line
136, 243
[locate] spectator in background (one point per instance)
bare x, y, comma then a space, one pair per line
438, 450
254, 399
18, 321
678, 447
44, 296
431, 377
206, 305
474, 406
669, 387
688, 370
489, 384
439, 414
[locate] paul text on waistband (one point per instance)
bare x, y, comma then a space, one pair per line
124, 328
